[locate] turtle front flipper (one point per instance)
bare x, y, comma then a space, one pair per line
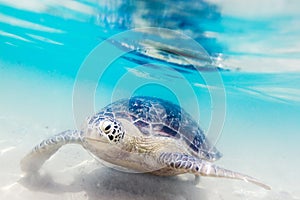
33, 161
188, 164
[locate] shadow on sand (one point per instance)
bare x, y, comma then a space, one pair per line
105, 183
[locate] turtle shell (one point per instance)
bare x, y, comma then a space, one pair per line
161, 118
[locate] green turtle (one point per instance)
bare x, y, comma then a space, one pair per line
144, 134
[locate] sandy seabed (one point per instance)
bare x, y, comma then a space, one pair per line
34, 108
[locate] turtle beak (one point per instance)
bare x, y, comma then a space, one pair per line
99, 139
93, 135
93, 139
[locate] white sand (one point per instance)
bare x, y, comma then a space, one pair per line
29, 114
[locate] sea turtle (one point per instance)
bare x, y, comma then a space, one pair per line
144, 134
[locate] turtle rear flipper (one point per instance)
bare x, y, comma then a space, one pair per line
33, 161
189, 164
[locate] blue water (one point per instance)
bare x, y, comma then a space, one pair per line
234, 66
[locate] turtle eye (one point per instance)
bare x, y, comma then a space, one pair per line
106, 126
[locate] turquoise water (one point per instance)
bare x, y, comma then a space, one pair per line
234, 66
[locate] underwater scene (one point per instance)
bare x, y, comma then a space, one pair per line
194, 88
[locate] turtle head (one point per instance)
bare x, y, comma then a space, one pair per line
105, 129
